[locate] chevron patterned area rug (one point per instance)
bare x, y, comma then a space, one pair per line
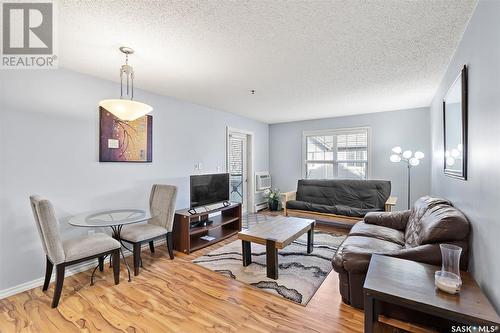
300, 274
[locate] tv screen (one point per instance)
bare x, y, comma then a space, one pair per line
209, 189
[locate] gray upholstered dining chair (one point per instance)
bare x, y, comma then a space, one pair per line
162, 207
64, 253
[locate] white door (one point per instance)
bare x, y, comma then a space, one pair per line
237, 168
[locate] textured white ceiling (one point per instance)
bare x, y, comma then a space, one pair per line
305, 59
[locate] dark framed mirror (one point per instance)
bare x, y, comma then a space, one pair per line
455, 128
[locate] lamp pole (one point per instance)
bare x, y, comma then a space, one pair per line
410, 159
409, 191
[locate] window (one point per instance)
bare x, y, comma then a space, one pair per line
337, 154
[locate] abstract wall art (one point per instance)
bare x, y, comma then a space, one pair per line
125, 141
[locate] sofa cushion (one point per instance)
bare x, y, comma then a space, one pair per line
336, 209
441, 223
379, 232
435, 220
355, 253
362, 194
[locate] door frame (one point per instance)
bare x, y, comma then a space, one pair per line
250, 164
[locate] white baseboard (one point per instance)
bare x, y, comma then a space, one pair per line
72, 270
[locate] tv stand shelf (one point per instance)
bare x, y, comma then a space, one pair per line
188, 239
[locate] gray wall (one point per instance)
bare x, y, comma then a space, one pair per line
479, 196
49, 145
408, 128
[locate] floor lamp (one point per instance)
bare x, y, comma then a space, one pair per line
410, 159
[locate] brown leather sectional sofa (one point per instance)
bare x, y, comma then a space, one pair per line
413, 234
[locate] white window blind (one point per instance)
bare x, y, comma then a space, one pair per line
235, 166
337, 154
235, 155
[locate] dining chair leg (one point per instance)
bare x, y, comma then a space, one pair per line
170, 245
137, 258
116, 265
48, 274
152, 247
60, 270
101, 264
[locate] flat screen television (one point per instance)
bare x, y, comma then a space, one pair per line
209, 189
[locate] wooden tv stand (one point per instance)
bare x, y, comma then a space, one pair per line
187, 239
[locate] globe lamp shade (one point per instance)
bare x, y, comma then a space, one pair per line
414, 161
407, 154
395, 158
397, 150
419, 155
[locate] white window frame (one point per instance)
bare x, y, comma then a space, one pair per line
336, 131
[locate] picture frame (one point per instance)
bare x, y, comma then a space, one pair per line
125, 141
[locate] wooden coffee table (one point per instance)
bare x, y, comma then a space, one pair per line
410, 284
275, 234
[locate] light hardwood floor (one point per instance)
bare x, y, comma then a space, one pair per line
178, 296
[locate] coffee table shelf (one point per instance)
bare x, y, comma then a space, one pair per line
225, 225
219, 234
218, 221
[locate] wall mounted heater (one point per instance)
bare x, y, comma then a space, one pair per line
262, 183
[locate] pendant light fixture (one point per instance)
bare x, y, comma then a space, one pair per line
126, 108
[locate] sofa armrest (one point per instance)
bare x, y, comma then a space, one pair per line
287, 196
390, 203
394, 220
356, 259
431, 254
427, 254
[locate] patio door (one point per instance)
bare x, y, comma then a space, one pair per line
237, 160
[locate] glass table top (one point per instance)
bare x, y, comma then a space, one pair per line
107, 218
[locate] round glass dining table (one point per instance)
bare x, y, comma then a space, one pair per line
114, 219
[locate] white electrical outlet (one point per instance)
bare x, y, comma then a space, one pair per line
198, 166
90, 232
113, 143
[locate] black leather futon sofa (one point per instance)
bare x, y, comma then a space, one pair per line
338, 200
